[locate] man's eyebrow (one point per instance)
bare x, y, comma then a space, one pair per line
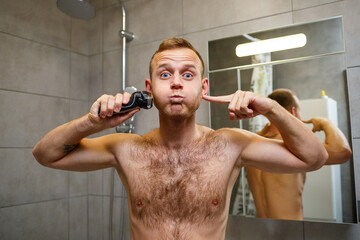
163, 65
190, 66
167, 65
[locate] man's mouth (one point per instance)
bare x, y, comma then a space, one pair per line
176, 98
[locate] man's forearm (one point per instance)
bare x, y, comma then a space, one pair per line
297, 137
336, 144
62, 140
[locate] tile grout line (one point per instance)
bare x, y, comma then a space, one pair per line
41, 201
351, 67
42, 95
40, 43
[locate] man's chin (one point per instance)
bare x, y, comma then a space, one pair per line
177, 112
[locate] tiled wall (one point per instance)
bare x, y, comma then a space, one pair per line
44, 82
52, 66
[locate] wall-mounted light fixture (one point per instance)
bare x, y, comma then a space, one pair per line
271, 45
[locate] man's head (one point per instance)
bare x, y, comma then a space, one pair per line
173, 43
176, 79
287, 99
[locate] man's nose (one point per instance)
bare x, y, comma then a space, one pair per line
176, 82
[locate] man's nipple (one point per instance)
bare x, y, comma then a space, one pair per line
215, 202
139, 203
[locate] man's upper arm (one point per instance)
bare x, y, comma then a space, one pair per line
266, 154
92, 154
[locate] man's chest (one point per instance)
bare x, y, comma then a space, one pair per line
183, 185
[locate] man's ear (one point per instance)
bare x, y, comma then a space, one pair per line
293, 111
205, 86
148, 85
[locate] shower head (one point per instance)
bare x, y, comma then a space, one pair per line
76, 8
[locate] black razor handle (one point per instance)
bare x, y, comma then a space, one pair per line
141, 99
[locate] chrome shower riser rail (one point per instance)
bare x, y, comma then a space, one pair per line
126, 36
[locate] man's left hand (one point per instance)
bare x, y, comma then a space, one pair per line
243, 105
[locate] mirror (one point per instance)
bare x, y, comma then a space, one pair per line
329, 193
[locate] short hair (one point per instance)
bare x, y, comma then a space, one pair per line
285, 97
173, 43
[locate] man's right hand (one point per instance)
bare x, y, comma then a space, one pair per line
107, 105
319, 123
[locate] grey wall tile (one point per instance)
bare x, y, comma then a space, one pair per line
328, 231
352, 32
353, 78
111, 26
26, 117
95, 225
79, 83
96, 77
78, 183
319, 12
138, 61
239, 227
32, 67
24, 180
38, 20
95, 31
78, 218
45, 220
204, 14
80, 33
112, 72
95, 182
300, 4
78, 108
154, 20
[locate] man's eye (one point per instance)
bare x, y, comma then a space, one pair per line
165, 75
188, 75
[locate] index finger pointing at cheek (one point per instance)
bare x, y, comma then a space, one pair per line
218, 99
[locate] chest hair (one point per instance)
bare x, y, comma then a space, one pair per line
185, 185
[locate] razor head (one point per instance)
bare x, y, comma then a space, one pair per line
142, 99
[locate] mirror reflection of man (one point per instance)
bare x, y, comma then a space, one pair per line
280, 195
179, 177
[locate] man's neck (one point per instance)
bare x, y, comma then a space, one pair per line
175, 133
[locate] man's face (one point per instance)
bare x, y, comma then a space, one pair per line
176, 82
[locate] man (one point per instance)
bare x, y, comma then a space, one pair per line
280, 195
179, 177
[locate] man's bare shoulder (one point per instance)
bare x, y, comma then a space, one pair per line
116, 139
234, 133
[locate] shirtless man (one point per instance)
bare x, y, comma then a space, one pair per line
179, 177
280, 195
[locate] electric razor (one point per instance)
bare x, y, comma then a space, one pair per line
140, 99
